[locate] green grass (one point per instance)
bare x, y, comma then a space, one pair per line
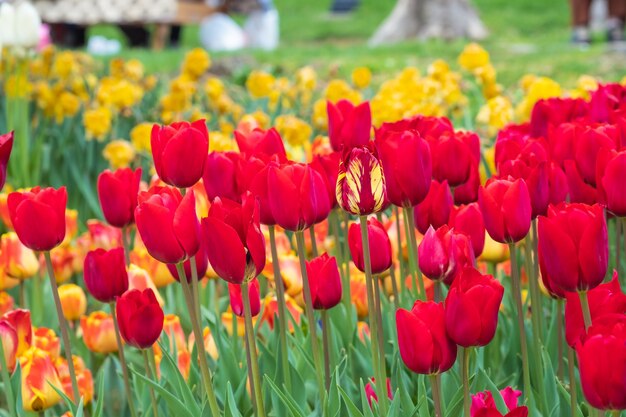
527, 36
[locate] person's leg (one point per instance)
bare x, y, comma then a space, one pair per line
580, 21
615, 23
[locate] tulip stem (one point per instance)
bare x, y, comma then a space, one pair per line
517, 295
584, 303
126, 245
616, 413
465, 376
346, 250
310, 315
6, 381
401, 266
199, 341
379, 317
313, 241
572, 382
282, 310
249, 366
409, 213
335, 228
559, 335
120, 354
63, 326
254, 360
195, 287
377, 356
326, 342
392, 274
436, 391
22, 293
153, 399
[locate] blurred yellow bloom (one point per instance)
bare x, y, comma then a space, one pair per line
64, 65
296, 132
495, 114
99, 332
73, 301
17, 260
494, 252
306, 78
134, 70
140, 137
214, 88
17, 86
196, 63
361, 77
119, 153
67, 105
260, 84
539, 88
97, 123
473, 56
340, 89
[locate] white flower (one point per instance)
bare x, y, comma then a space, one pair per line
28, 25
7, 24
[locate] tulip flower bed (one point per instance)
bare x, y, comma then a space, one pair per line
309, 247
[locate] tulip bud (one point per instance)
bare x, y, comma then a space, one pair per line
506, 209
6, 140
73, 301
361, 182
19, 319
443, 254
435, 209
483, 404
328, 167
602, 363
169, 143
140, 318
168, 224
454, 156
47, 340
8, 338
27, 25
117, 192
221, 175
236, 298
38, 217
297, 196
611, 172
424, 344
406, 161
468, 220
99, 332
261, 143
105, 274
573, 243
605, 299
587, 147
325, 282
348, 125
379, 243
235, 243
472, 307
39, 380
371, 395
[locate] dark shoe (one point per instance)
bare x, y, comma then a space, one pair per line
581, 36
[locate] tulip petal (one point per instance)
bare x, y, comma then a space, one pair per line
559, 253
227, 254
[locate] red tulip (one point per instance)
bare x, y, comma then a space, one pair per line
605, 101
371, 395
380, 246
424, 344
348, 125
202, 264
325, 282
8, 338
573, 242
406, 161
140, 318
179, 152
429, 127
254, 179
38, 217
551, 112
579, 190
443, 254
297, 196
435, 209
453, 155
472, 307
605, 299
361, 186
168, 224
221, 175
483, 404
105, 274
551, 287
117, 192
602, 363
468, 220
20, 320
261, 143
236, 298
468, 192
610, 180
328, 167
557, 182
235, 243
6, 145
506, 209
588, 145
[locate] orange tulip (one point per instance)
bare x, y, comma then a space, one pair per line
99, 332
71, 225
174, 332
158, 271
83, 378
19, 262
47, 341
6, 303
4, 211
73, 301
6, 282
358, 294
139, 279
209, 343
229, 324
103, 236
20, 320
270, 310
63, 259
8, 339
184, 362
38, 377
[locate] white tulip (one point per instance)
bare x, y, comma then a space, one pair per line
27, 24
7, 24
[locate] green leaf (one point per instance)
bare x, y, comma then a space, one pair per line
286, 398
175, 405
175, 379
353, 410
100, 400
230, 410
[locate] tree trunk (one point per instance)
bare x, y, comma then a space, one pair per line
424, 19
